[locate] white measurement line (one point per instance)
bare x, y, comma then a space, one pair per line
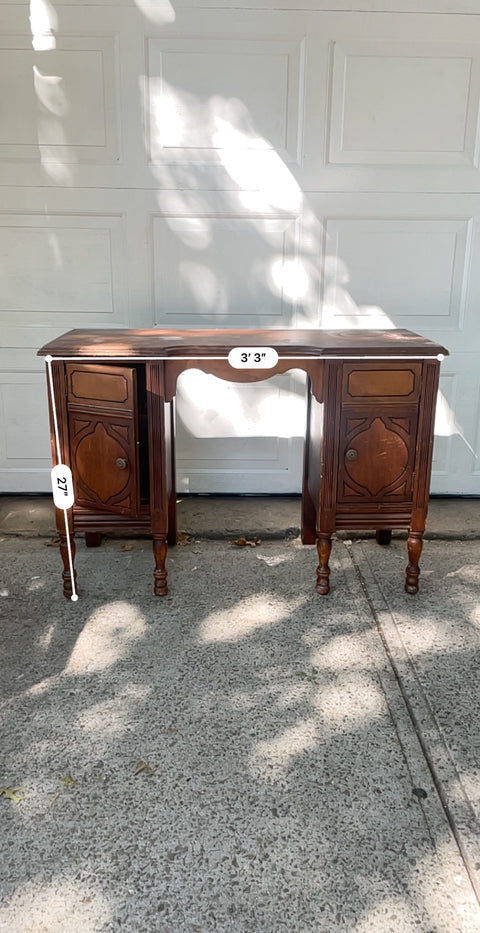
174, 359
63, 468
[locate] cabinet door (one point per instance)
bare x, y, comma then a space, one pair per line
103, 438
378, 431
377, 455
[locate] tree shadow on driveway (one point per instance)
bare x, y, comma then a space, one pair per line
235, 756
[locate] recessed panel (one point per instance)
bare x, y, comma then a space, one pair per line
390, 272
100, 386
446, 426
404, 103
59, 104
369, 380
223, 96
220, 271
25, 432
238, 438
60, 268
456, 450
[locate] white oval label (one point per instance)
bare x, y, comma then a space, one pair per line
62, 486
253, 357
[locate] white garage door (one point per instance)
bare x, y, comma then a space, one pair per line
165, 164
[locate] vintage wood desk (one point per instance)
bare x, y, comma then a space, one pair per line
368, 444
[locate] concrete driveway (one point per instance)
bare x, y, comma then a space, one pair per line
241, 755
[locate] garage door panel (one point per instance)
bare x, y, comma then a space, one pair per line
386, 98
60, 102
207, 98
234, 437
456, 455
25, 437
405, 261
228, 271
62, 270
411, 270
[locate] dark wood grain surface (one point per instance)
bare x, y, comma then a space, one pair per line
141, 344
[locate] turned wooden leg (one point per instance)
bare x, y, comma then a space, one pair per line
160, 548
412, 572
324, 546
383, 535
67, 579
93, 538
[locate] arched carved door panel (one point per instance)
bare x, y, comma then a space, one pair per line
104, 454
103, 426
376, 456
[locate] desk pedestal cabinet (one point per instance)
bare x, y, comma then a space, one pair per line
368, 444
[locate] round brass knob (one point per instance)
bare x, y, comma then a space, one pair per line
121, 463
351, 454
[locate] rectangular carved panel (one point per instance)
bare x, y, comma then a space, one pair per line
372, 381
102, 386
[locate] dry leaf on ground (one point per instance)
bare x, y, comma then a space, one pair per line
143, 766
67, 781
183, 537
244, 542
11, 793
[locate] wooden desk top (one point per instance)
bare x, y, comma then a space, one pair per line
176, 344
